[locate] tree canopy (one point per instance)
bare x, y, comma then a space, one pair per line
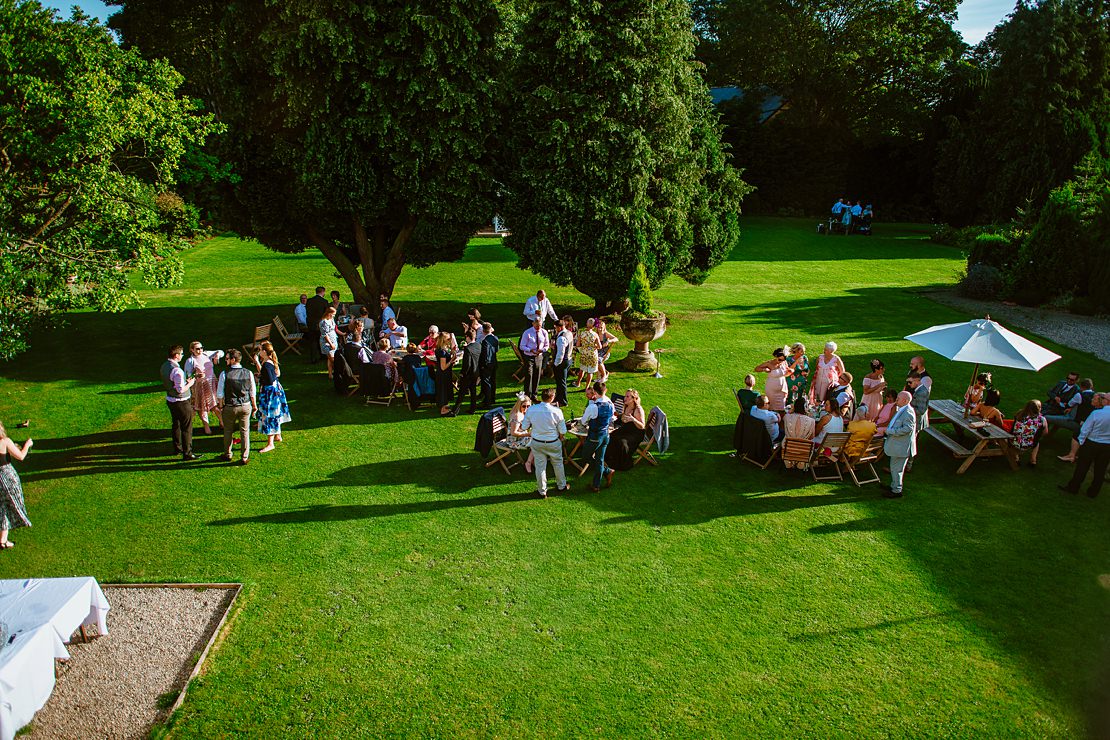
616, 159
90, 136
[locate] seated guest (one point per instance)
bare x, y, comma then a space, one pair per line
366, 321
862, 430
381, 356
1074, 421
300, 313
413, 357
1061, 394
340, 308
975, 391
843, 384
621, 453
397, 335
1029, 426
886, 413
831, 423
797, 424
769, 418
428, 344
748, 394
385, 309
987, 409
516, 420
355, 334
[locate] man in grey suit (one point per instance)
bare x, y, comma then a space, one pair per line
919, 402
900, 443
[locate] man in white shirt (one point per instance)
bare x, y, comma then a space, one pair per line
178, 400
769, 418
1094, 448
397, 335
549, 427
533, 344
564, 343
538, 307
237, 399
300, 313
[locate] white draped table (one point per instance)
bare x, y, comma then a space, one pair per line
40, 614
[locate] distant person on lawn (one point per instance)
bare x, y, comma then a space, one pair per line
179, 401
273, 407
300, 313
237, 396
487, 365
538, 307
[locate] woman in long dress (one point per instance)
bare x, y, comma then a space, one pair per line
798, 384
777, 372
202, 364
13, 512
828, 370
329, 339
607, 341
621, 453
273, 407
445, 377
874, 383
589, 345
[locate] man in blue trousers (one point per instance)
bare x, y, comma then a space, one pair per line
596, 419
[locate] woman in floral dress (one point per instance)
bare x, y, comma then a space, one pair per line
273, 407
13, 512
589, 345
1029, 427
202, 364
798, 382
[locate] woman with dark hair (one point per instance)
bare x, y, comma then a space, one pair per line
987, 409
445, 359
13, 512
976, 390
1029, 426
831, 423
890, 398
873, 385
273, 407
777, 372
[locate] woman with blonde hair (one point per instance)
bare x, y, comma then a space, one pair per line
621, 453
273, 407
589, 345
13, 512
798, 382
202, 366
445, 378
516, 421
329, 339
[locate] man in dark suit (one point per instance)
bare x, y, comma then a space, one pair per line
314, 309
1061, 394
487, 365
468, 380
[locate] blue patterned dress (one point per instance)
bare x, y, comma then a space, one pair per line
273, 408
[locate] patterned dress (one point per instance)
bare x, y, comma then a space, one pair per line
13, 512
1026, 431
204, 391
798, 383
588, 343
273, 407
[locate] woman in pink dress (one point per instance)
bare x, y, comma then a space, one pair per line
777, 372
201, 364
873, 385
828, 370
882, 421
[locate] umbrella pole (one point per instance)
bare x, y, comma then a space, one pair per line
974, 374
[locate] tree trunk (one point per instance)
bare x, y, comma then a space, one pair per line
607, 308
379, 262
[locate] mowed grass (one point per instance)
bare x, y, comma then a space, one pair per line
395, 586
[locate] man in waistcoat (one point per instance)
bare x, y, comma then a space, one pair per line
237, 399
179, 402
596, 419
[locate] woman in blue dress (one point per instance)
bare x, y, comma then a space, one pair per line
273, 407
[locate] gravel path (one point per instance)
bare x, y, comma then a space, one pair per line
110, 687
1085, 333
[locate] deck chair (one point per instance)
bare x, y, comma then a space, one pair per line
643, 451
822, 462
797, 452
864, 463
756, 444
521, 372
261, 334
350, 353
618, 405
291, 340
503, 446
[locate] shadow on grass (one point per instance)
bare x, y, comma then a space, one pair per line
800, 242
885, 624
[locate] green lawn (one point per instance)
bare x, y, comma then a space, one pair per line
395, 586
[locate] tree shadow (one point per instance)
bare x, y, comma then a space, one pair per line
868, 524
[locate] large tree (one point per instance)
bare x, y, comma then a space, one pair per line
616, 157
90, 137
359, 129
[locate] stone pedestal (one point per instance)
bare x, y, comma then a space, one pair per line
642, 331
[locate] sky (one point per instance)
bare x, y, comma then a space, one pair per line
977, 17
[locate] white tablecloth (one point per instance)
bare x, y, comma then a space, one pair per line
63, 603
27, 676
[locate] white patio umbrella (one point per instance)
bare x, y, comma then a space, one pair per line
984, 342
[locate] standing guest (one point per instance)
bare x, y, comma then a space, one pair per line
596, 418
300, 313
538, 307
516, 422
385, 309
445, 376
623, 442
13, 511
548, 427
829, 368
468, 378
178, 400
238, 399
1094, 449
747, 395
975, 391
202, 366
329, 338
564, 343
381, 356
776, 388
917, 369
273, 407
474, 323
487, 365
1061, 394
339, 306
798, 381
919, 400
874, 383
366, 321
762, 411
1029, 427
397, 335
608, 339
533, 344
1083, 410
890, 396
987, 409
900, 443
429, 343
589, 345
314, 313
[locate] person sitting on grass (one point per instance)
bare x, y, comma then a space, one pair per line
748, 395
1029, 426
987, 409
769, 418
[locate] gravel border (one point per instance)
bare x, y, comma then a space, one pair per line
121, 685
1085, 333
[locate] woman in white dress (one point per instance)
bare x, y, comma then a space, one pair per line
202, 364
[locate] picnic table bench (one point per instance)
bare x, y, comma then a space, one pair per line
989, 440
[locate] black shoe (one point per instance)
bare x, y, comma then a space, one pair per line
189, 458
542, 494
452, 412
891, 494
1066, 489
884, 486
564, 489
1092, 495
223, 458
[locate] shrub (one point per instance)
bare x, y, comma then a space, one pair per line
177, 217
984, 282
639, 292
994, 249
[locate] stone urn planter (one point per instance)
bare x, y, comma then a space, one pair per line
642, 330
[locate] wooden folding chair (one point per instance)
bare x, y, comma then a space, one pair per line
736, 397
291, 340
821, 461
504, 445
618, 405
261, 334
864, 462
521, 372
643, 451
797, 452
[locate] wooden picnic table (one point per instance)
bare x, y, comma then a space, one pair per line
989, 440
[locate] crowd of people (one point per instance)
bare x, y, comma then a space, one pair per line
850, 216
805, 400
